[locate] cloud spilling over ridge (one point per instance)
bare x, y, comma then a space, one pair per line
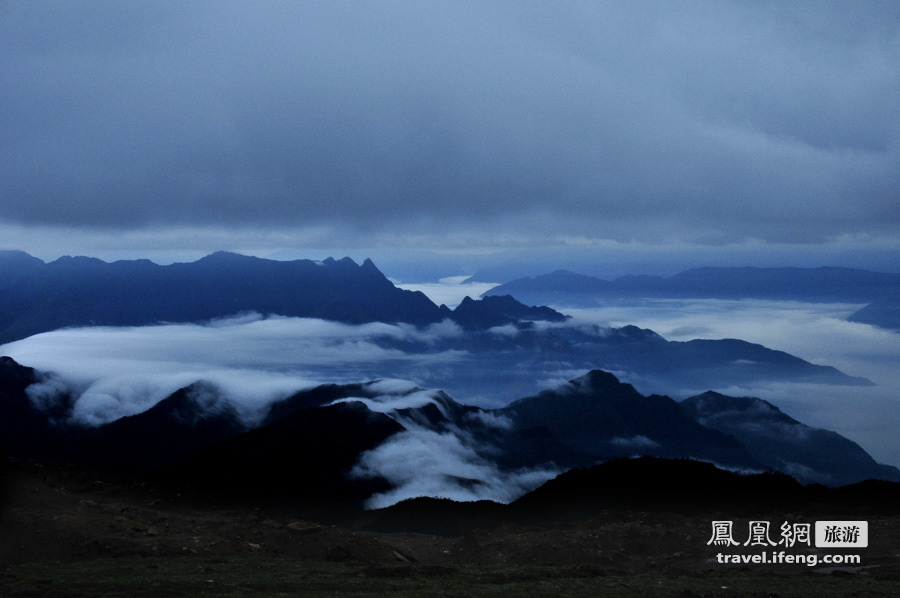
253, 360
391, 403
249, 362
421, 462
443, 461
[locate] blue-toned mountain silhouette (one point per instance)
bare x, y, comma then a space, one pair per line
502, 337
79, 291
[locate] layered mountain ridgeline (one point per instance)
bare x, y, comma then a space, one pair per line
508, 362
377, 443
800, 284
500, 310
501, 339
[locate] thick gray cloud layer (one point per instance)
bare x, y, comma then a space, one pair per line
699, 121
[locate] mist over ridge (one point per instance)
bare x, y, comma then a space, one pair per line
380, 442
488, 352
443, 353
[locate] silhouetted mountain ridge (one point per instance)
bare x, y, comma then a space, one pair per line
303, 457
81, 291
500, 333
85, 291
25, 430
600, 416
783, 444
500, 310
305, 448
190, 419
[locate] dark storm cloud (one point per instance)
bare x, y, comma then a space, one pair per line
709, 121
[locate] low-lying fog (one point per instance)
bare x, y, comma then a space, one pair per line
120, 371
816, 332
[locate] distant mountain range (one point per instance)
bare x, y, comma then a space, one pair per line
503, 338
506, 363
801, 284
78, 291
345, 444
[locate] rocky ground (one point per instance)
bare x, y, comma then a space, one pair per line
57, 517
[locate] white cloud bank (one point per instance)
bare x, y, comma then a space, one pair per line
422, 462
253, 360
440, 460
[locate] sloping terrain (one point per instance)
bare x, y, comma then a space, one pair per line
380, 442
69, 533
80, 291
604, 418
781, 443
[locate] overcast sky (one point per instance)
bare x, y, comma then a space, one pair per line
188, 127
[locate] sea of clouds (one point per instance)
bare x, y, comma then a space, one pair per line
255, 360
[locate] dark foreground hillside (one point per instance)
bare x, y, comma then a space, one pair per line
68, 533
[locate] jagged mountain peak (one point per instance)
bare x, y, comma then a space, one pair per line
87, 291
347, 261
489, 312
